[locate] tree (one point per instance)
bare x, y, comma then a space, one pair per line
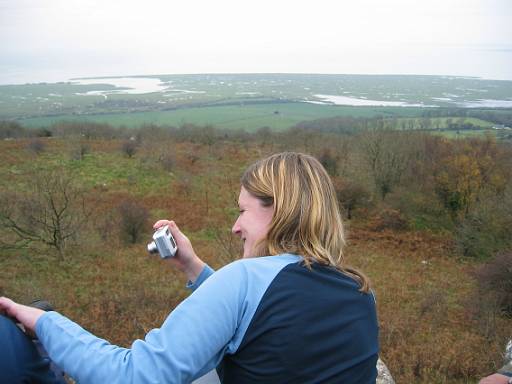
264, 135
351, 196
329, 162
52, 212
458, 183
387, 157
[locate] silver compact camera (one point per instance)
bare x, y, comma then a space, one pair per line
163, 243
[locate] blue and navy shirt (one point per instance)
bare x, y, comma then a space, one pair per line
260, 320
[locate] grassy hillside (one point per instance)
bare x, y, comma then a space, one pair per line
430, 329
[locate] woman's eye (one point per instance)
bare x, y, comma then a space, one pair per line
241, 211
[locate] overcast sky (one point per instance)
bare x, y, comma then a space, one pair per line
50, 40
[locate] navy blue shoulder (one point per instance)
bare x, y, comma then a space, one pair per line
311, 326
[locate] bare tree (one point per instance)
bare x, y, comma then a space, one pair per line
387, 156
51, 212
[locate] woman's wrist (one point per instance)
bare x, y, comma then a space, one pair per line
194, 269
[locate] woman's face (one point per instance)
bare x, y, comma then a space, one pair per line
253, 222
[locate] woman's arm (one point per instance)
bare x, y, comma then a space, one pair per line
25, 315
192, 340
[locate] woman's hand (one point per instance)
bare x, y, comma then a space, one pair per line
27, 316
185, 259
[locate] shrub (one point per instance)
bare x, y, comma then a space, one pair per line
487, 228
390, 219
192, 158
86, 130
133, 218
36, 146
351, 196
129, 148
167, 161
494, 280
80, 150
329, 161
42, 132
11, 129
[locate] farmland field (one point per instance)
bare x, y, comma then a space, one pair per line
250, 117
247, 101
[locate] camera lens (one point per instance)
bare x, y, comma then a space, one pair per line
152, 248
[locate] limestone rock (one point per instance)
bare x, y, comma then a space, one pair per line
384, 376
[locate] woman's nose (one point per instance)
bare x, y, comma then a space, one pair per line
236, 228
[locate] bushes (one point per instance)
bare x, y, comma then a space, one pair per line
494, 280
351, 196
11, 129
81, 148
329, 162
487, 228
36, 146
129, 148
86, 130
389, 219
167, 161
133, 218
491, 300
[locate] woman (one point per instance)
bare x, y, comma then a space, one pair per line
290, 311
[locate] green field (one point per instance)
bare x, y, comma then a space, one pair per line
458, 134
250, 117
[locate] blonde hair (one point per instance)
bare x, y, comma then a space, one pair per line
306, 219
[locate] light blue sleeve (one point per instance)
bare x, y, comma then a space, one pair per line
205, 273
192, 340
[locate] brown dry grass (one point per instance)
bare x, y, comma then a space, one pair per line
428, 332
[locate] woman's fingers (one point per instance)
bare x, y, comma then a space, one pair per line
161, 223
7, 306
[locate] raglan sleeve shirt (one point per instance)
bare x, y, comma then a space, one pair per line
244, 315
192, 340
